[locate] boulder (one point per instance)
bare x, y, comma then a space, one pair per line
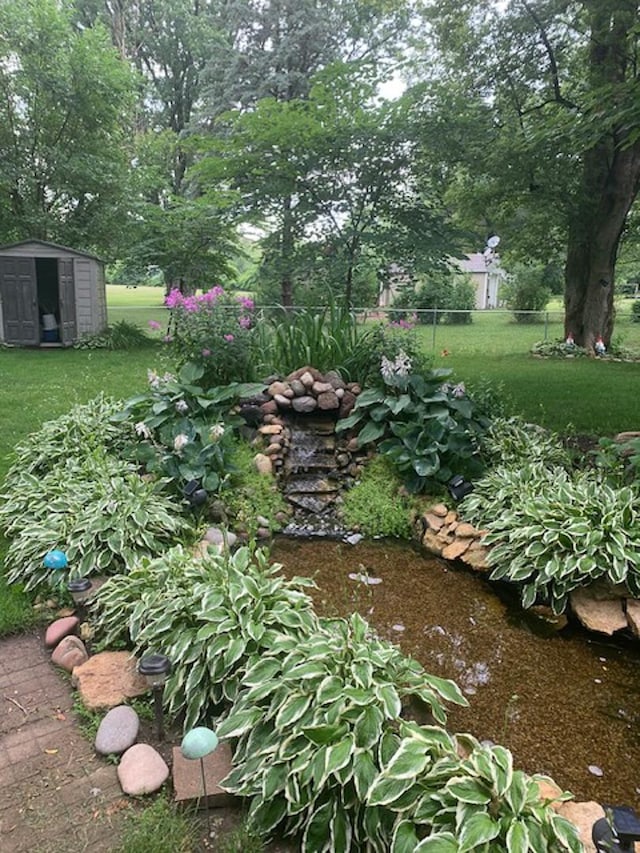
142, 770
433, 521
633, 616
263, 464
583, 816
327, 401
466, 530
604, 616
304, 404
117, 731
69, 653
439, 509
455, 549
59, 629
277, 388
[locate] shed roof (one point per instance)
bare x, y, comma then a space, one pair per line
55, 246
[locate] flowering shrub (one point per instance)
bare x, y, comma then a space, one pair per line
216, 331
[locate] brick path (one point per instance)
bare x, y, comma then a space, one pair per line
56, 795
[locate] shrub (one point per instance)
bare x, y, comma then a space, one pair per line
511, 442
555, 533
451, 794
635, 311
314, 719
121, 336
96, 508
427, 427
216, 332
448, 297
619, 461
211, 615
526, 292
374, 505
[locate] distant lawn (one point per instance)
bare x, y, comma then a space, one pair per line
137, 305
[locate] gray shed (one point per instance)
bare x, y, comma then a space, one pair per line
49, 294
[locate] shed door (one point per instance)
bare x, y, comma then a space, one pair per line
67, 292
19, 294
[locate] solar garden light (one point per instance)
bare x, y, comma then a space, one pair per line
156, 668
80, 589
194, 493
459, 487
617, 832
196, 745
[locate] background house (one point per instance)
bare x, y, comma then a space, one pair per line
49, 294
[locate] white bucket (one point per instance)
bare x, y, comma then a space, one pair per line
49, 322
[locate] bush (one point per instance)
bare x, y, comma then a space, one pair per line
212, 616
447, 297
635, 311
526, 292
375, 506
511, 442
121, 336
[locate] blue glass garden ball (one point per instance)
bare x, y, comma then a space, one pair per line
198, 742
55, 560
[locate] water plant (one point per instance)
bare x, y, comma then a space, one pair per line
314, 719
210, 614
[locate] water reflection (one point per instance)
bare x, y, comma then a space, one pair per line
562, 702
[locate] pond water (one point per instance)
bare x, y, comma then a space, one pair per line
566, 704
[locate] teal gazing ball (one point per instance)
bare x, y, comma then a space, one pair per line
198, 742
55, 560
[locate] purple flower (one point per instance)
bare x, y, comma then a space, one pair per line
174, 299
206, 353
229, 338
246, 303
153, 324
245, 321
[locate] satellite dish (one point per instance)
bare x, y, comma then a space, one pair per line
493, 241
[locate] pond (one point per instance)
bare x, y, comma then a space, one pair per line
566, 704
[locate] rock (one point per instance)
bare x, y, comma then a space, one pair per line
69, 653
455, 549
107, 679
117, 731
476, 557
321, 388
431, 543
583, 816
307, 379
304, 404
263, 464
270, 407
263, 533
550, 792
439, 509
327, 401
466, 530
433, 521
606, 617
633, 616
282, 402
142, 770
346, 404
251, 414
277, 388
270, 429
298, 388
217, 536
354, 388
451, 516
273, 449
335, 380
187, 777
353, 538
59, 629
339, 393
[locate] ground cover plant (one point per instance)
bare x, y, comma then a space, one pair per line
375, 505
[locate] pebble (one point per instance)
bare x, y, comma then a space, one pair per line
117, 731
365, 579
59, 629
142, 770
595, 770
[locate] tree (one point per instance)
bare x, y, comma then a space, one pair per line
64, 100
554, 83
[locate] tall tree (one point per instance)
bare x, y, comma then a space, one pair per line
64, 100
556, 83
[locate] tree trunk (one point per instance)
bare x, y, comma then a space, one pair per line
286, 255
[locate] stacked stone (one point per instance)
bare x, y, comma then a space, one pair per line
444, 535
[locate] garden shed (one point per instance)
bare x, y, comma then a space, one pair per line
49, 294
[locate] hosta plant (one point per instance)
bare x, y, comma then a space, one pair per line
211, 615
314, 720
97, 509
512, 441
554, 532
428, 428
452, 794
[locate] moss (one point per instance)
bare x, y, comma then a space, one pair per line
252, 494
376, 505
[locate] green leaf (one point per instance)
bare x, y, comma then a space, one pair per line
517, 838
440, 842
368, 727
324, 734
385, 790
292, 710
370, 432
338, 755
468, 790
409, 761
404, 838
391, 703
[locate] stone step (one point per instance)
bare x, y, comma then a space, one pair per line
310, 485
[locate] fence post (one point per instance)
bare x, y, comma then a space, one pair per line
435, 323
546, 324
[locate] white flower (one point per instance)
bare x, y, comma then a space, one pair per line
182, 407
216, 432
180, 441
142, 430
153, 378
459, 390
399, 368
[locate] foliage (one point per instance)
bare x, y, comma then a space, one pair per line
159, 828
216, 332
428, 428
313, 720
561, 349
511, 442
619, 461
452, 794
252, 494
121, 336
375, 505
526, 292
635, 311
555, 533
242, 839
64, 115
446, 296
95, 508
184, 430
211, 615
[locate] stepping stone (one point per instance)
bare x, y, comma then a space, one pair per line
142, 770
117, 731
59, 629
187, 777
108, 679
69, 653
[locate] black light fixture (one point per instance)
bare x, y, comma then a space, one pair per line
194, 493
459, 487
618, 831
80, 590
156, 668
